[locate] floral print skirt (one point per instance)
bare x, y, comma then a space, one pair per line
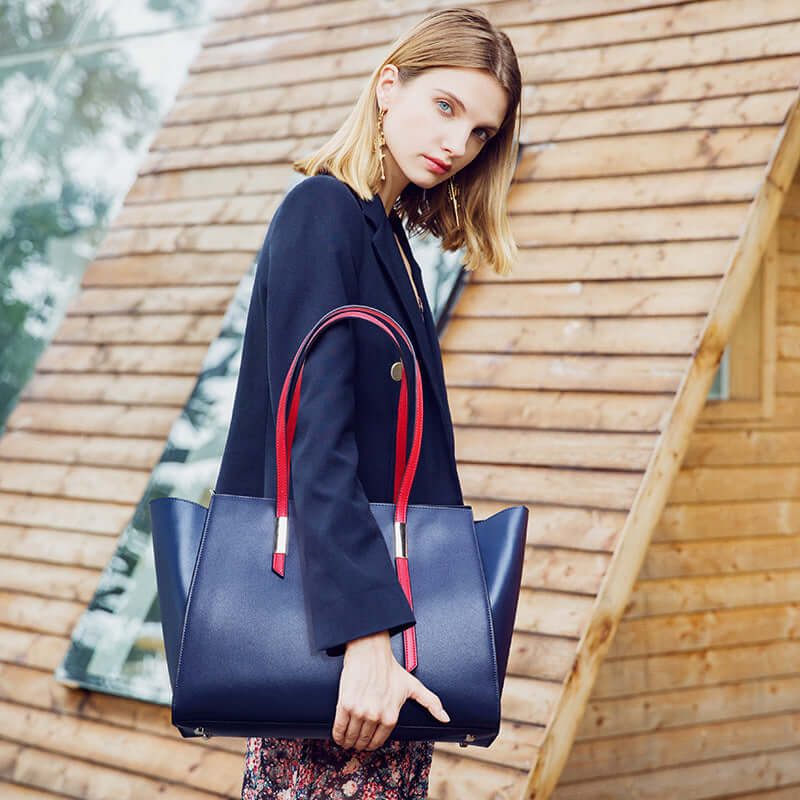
320, 769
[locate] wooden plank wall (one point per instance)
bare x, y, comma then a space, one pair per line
647, 127
700, 695
560, 380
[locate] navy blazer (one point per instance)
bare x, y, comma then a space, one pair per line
326, 247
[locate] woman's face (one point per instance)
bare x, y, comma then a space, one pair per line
446, 113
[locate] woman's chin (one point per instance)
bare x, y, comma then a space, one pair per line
425, 179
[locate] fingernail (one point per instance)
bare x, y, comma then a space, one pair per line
446, 716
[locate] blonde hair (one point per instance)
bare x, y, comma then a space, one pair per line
451, 37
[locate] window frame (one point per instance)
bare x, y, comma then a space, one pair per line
751, 353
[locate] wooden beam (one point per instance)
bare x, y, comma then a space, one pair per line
731, 484
628, 451
459, 776
769, 317
695, 630
662, 335
590, 299
567, 570
72, 775
697, 781
647, 190
474, 370
561, 526
693, 706
42, 443
244, 22
525, 409
708, 667
658, 260
685, 523
664, 465
604, 488
648, 152
609, 757
540, 656
712, 592
134, 754
96, 516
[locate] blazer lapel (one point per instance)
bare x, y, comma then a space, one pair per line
389, 257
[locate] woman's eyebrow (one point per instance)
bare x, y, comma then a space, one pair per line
462, 107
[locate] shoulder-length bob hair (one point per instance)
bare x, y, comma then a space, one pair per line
451, 37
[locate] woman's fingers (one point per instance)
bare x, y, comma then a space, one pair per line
381, 735
373, 686
354, 729
427, 698
340, 724
365, 734
352, 732
359, 732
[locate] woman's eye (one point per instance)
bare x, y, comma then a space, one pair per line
485, 133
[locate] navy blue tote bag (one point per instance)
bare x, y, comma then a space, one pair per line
230, 584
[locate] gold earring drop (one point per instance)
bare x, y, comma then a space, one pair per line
380, 141
452, 190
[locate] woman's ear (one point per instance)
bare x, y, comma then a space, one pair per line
387, 79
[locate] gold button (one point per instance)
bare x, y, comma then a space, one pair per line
397, 370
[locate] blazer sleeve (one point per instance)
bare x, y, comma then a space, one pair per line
313, 247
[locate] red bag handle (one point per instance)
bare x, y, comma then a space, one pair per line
400, 434
402, 486
282, 452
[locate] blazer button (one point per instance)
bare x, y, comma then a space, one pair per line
397, 370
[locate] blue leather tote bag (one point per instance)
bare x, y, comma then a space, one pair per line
230, 584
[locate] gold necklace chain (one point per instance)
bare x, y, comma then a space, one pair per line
410, 276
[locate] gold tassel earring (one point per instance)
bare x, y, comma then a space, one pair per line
452, 190
380, 141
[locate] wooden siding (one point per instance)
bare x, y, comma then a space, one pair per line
648, 127
699, 695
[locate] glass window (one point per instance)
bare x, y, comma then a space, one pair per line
75, 122
84, 85
719, 387
744, 386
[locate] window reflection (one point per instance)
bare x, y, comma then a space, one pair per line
720, 386
84, 85
26, 26
111, 18
73, 129
117, 645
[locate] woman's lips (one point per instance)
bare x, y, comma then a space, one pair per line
434, 166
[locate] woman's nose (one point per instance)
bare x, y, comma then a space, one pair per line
457, 145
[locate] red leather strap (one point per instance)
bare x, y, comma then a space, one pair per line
400, 435
409, 636
404, 471
281, 448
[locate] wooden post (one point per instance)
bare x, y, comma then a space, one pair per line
666, 459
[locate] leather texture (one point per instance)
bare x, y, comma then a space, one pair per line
244, 661
177, 526
501, 541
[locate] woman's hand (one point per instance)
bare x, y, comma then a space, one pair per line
372, 689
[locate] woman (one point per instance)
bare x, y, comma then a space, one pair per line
429, 142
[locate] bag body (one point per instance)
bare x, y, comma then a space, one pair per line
236, 633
